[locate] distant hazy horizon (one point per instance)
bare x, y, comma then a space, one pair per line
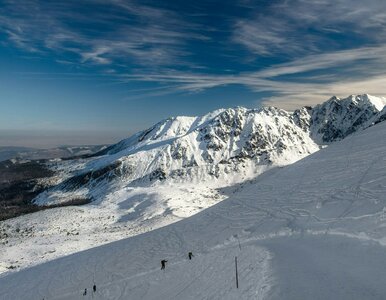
45, 139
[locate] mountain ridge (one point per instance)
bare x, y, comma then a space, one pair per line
211, 147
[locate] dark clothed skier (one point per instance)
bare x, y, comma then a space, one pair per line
94, 288
85, 292
190, 254
163, 264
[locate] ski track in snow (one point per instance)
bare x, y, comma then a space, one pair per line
45, 235
182, 279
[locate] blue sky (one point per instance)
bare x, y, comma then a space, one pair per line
95, 71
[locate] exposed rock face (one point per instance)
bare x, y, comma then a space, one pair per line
302, 118
337, 118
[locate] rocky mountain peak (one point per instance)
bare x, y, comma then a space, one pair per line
336, 118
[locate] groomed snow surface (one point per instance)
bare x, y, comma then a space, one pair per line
313, 230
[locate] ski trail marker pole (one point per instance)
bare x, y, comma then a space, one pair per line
237, 275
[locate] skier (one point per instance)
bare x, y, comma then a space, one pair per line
85, 292
163, 264
94, 288
190, 254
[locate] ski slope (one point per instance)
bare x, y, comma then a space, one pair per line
312, 230
182, 279
170, 172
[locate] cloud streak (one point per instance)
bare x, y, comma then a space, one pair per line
129, 33
357, 78
302, 27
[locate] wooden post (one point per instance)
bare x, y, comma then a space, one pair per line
237, 275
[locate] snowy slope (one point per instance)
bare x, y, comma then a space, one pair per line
169, 172
312, 230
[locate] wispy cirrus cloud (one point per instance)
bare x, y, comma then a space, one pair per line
299, 27
100, 32
330, 48
375, 57
355, 77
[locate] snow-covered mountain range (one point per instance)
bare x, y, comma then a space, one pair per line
229, 145
171, 171
311, 230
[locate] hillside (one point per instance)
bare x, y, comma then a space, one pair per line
175, 169
314, 229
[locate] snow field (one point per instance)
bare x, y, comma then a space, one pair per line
317, 229
118, 275
46, 235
